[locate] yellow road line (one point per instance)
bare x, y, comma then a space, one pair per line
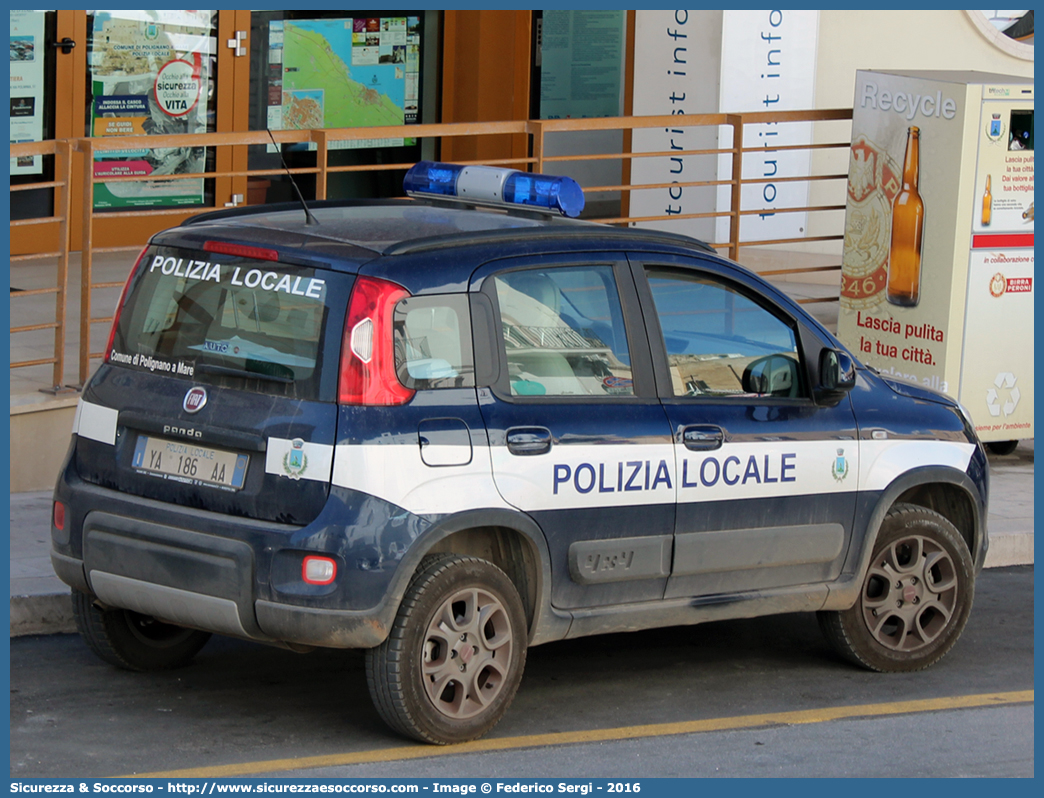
601, 735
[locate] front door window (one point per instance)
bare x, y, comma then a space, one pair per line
721, 344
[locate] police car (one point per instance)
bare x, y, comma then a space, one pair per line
448, 428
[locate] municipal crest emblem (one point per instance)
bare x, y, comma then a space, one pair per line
840, 467
295, 461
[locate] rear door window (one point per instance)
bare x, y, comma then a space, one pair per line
563, 334
226, 320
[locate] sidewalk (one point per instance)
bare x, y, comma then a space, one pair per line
40, 602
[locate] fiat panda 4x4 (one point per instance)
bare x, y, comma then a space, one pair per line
446, 434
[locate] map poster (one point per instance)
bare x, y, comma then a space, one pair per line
27, 86
150, 73
344, 73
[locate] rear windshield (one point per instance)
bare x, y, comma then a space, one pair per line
226, 320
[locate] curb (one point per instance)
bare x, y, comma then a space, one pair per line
1008, 550
49, 614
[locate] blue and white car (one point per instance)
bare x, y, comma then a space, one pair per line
445, 433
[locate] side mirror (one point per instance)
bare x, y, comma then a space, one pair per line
837, 376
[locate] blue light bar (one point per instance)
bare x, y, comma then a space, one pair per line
557, 193
429, 177
491, 185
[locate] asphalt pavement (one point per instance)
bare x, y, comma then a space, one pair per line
40, 602
748, 697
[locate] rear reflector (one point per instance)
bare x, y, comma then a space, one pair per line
59, 516
367, 374
318, 570
361, 341
240, 250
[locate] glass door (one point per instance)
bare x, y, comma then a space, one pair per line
156, 73
101, 76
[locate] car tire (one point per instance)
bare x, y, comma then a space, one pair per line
1002, 447
454, 657
915, 597
133, 641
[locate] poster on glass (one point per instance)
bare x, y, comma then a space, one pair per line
151, 74
27, 86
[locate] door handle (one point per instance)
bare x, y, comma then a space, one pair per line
703, 437
529, 440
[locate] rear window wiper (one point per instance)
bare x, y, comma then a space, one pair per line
261, 371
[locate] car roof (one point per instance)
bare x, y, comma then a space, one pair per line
394, 227
426, 246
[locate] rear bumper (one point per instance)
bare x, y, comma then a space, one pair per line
167, 562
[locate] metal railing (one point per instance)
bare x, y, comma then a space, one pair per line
535, 132
62, 151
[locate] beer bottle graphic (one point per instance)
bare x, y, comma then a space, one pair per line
904, 255
987, 204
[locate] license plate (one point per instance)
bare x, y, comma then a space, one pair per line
190, 463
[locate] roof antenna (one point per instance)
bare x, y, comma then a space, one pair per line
309, 219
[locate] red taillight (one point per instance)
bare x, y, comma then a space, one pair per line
59, 516
240, 250
318, 570
368, 349
119, 307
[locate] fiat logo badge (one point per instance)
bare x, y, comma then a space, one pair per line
194, 400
